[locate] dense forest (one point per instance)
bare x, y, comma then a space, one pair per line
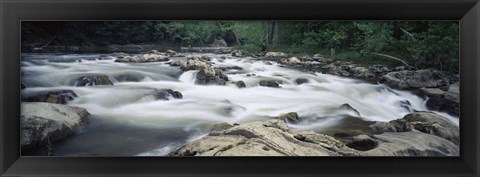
417, 43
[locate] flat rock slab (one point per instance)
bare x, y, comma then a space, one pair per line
41, 123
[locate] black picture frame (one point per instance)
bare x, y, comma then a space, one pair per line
14, 11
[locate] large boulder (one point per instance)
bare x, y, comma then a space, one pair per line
408, 79
270, 138
403, 144
429, 123
93, 80
195, 63
44, 123
58, 96
211, 76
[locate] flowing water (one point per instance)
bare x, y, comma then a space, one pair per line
127, 121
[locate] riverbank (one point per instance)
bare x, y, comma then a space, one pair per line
191, 92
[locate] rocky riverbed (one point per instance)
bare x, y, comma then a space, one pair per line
233, 103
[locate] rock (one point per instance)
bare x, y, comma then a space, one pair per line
171, 53
236, 53
381, 127
347, 69
347, 108
23, 86
301, 81
429, 123
403, 144
291, 61
240, 84
93, 81
440, 100
408, 79
210, 75
221, 126
224, 68
59, 97
195, 63
165, 94
41, 123
291, 117
262, 139
269, 83
153, 56
379, 70
275, 55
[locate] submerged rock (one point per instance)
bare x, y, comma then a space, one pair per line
93, 81
300, 81
59, 97
291, 117
240, 84
43, 123
165, 94
269, 83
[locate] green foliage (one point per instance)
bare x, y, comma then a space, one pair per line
420, 43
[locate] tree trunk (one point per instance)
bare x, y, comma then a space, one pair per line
275, 39
265, 33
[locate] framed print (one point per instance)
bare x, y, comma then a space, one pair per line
247, 88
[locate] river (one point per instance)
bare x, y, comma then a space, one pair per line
126, 121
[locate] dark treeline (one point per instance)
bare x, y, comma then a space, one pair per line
418, 43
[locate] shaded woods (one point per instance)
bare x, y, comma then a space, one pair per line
422, 44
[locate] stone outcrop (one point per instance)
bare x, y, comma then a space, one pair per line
44, 123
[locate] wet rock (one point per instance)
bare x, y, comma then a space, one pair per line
236, 53
269, 83
300, 81
270, 138
41, 123
224, 68
23, 86
429, 123
439, 99
93, 81
240, 84
221, 126
171, 52
417, 79
166, 94
346, 107
211, 76
291, 117
59, 97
